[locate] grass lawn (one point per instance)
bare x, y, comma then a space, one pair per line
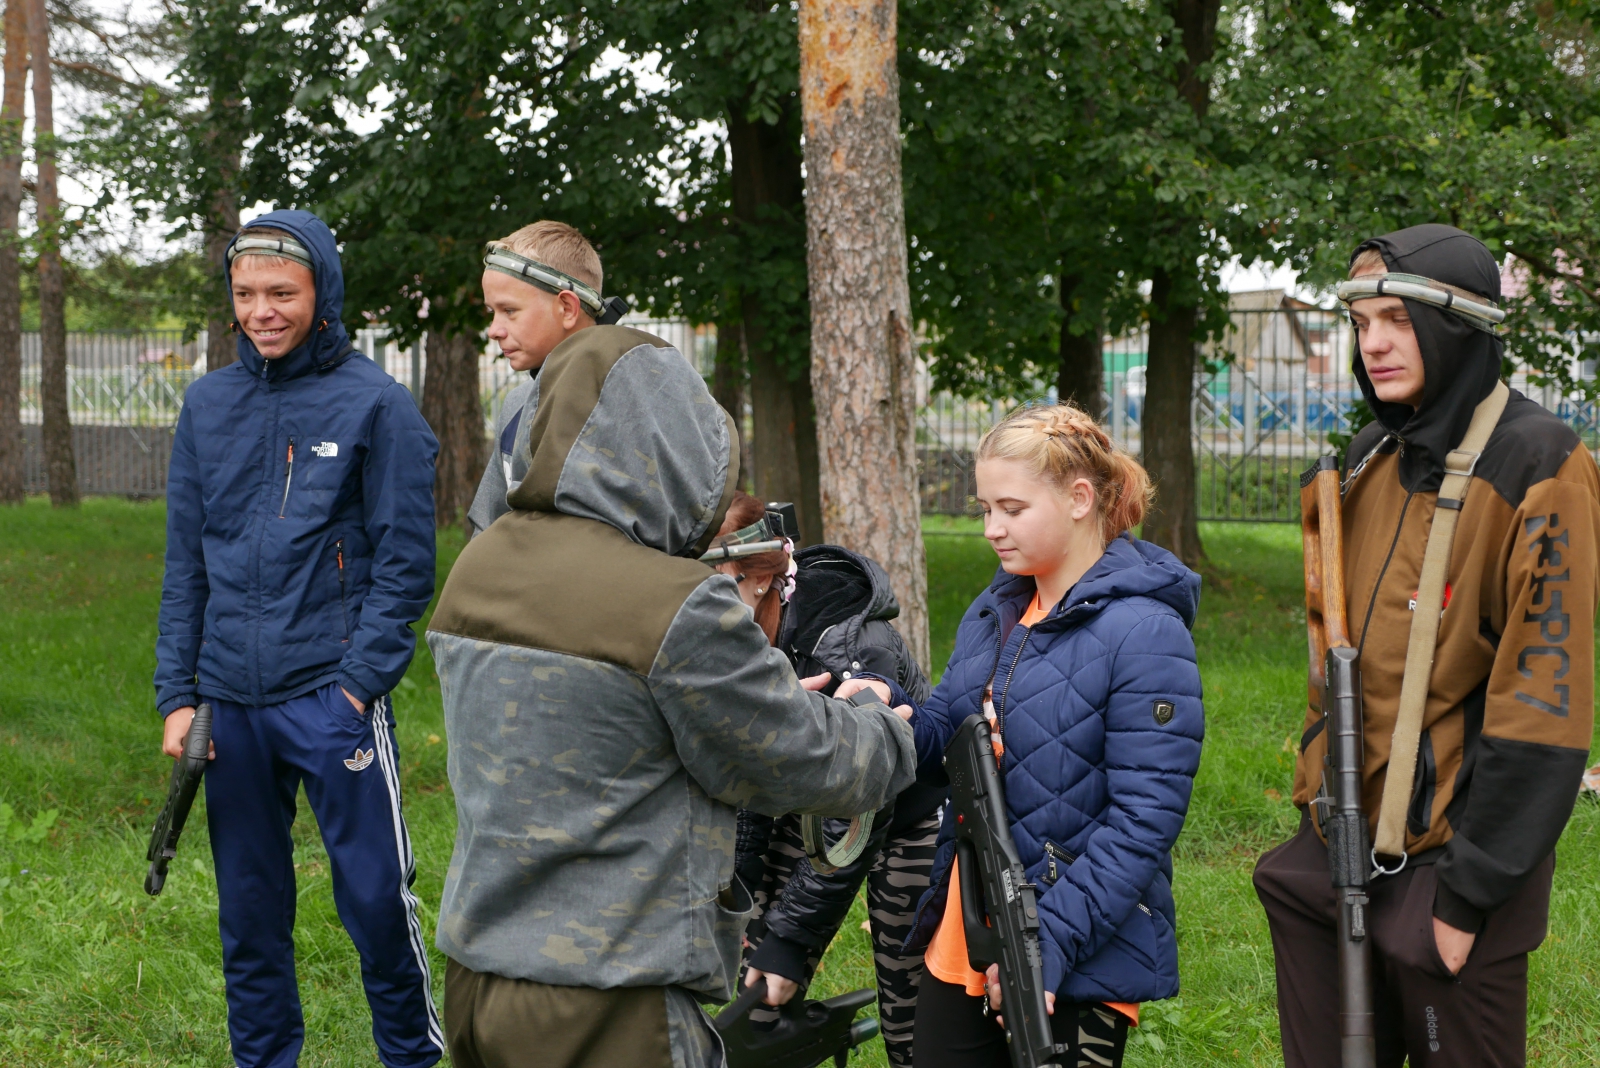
93, 972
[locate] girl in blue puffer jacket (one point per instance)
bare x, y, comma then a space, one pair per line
1079, 653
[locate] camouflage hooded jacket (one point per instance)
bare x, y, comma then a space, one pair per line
610, 700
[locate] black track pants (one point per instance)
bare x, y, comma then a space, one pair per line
953, 1031
1476, 1019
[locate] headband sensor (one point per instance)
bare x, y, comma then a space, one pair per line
603, 311
762, 536
247, 244
1477, 312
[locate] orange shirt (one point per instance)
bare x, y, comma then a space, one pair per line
947, 953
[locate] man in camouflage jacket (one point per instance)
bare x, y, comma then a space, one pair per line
610, 701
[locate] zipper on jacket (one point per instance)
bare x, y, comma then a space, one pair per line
288, 477
1054, 854
344, 614
1000, 705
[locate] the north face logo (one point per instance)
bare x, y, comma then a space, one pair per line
326, 449
360, 761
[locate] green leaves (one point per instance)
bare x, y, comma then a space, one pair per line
14, 829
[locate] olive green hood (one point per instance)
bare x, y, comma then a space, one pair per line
626, 433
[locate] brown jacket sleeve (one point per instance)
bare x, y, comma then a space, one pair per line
1539, 708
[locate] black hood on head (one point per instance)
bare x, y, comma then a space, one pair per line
1460, 364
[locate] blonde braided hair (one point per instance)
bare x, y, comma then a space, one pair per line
1062, 443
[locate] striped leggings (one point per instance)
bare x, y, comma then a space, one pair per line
894, 884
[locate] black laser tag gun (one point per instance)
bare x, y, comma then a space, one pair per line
805, 1034
993, 886
1334, 688
186, 772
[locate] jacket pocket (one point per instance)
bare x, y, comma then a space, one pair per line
1057, 860
1419, 816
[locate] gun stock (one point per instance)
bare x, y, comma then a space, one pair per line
1335, 691
993, 885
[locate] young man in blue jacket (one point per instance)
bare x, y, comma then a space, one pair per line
300, 549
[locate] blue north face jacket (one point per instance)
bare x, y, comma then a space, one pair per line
300, 519
1100, 708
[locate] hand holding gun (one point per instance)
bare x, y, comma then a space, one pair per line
1335, 689
186, 773
993, 886
806, 1032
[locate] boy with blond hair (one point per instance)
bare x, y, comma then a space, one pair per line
542, 284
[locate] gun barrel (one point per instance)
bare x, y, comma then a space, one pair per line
993, 884
1349, 858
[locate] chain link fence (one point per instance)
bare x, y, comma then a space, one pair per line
1272, 394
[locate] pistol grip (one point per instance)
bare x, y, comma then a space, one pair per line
982, 949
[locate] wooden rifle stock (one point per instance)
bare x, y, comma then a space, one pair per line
1335, 690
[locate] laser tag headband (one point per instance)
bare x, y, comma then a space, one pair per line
1477, 312
497, 257
775, 530
267, 245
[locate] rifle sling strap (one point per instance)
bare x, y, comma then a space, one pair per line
1390, 840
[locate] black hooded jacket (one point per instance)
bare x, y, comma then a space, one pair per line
838, 622
1506, 727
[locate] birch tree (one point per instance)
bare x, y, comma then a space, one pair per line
863, 366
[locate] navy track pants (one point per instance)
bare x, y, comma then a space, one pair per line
350, 766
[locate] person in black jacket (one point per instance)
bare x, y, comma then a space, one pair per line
828, 609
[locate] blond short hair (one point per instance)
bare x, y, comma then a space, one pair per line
1368, 261
1060, 443
560, 246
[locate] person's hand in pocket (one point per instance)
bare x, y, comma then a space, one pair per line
361, 708
1454, 945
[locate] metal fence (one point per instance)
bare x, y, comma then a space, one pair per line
1271, 395
1268, 395
124, 392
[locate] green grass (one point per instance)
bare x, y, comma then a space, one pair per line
93, 972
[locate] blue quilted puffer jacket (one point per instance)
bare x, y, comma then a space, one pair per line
1100, 708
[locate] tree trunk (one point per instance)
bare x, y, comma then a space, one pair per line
728, 388
1167, 424
12, 104
451, 405
863, 361
53, 404
1175, 316
1081, 377
768, 192
221, 224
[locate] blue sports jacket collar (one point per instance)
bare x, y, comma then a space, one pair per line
329, 344
1128, 568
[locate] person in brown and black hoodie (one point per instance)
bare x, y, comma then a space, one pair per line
1509, 711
